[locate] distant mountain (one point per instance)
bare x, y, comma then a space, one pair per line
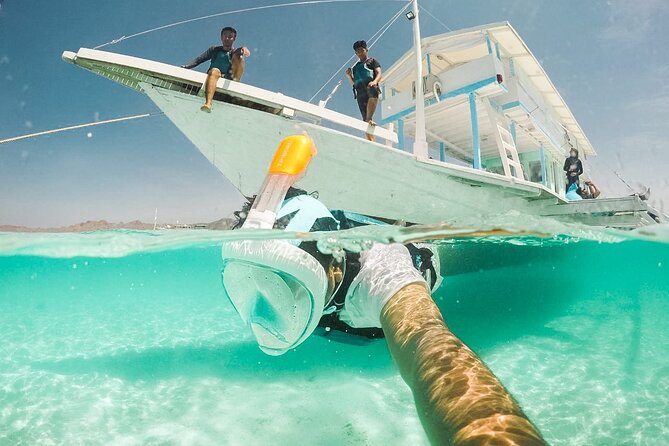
104, 225
87, 226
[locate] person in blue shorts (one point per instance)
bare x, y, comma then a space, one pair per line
226, 62
365, 76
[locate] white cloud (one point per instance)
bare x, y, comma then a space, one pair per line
633, 22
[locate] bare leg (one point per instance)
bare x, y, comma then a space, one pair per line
371, 108
210, 88
237, 67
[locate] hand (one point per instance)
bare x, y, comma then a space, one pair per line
373, 84
241, 52
384, 270
349, 72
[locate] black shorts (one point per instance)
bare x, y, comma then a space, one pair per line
362, 95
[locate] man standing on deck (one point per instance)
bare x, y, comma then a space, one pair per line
226, 62
573, 167
365, 76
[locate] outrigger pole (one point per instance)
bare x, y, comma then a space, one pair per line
75, 127
420, 141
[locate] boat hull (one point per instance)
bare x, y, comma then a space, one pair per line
348, 172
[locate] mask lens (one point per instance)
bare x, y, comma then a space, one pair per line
276, 306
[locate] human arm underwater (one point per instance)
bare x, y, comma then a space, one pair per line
458, 399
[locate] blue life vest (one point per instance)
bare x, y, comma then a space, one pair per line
223, 61
362, 74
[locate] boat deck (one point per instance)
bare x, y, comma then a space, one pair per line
624, 212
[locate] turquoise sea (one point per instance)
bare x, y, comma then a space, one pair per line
125, 338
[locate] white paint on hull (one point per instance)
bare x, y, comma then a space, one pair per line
349, 172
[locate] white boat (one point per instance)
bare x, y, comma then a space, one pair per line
492, 133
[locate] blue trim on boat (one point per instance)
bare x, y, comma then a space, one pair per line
509, 105
442, 151
488, 43
400, 134
542, 156
450, 94
476, 141
513, 104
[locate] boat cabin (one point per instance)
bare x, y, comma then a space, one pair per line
488, 104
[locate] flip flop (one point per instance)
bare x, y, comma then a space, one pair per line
206, 108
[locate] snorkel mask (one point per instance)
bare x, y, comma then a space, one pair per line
278, 289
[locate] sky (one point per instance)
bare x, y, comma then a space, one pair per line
608, 59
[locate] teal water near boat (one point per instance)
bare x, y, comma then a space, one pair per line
126, 338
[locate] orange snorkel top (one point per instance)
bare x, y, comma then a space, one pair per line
288, 165
293, 155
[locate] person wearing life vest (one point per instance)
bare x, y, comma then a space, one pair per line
365, 76
226, 62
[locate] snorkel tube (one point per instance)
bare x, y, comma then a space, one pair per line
278, 289
289, 164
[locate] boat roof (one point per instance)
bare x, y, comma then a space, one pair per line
458, 47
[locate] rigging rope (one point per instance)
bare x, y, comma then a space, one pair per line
435, 18
372, 41
78, 126
255, 8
